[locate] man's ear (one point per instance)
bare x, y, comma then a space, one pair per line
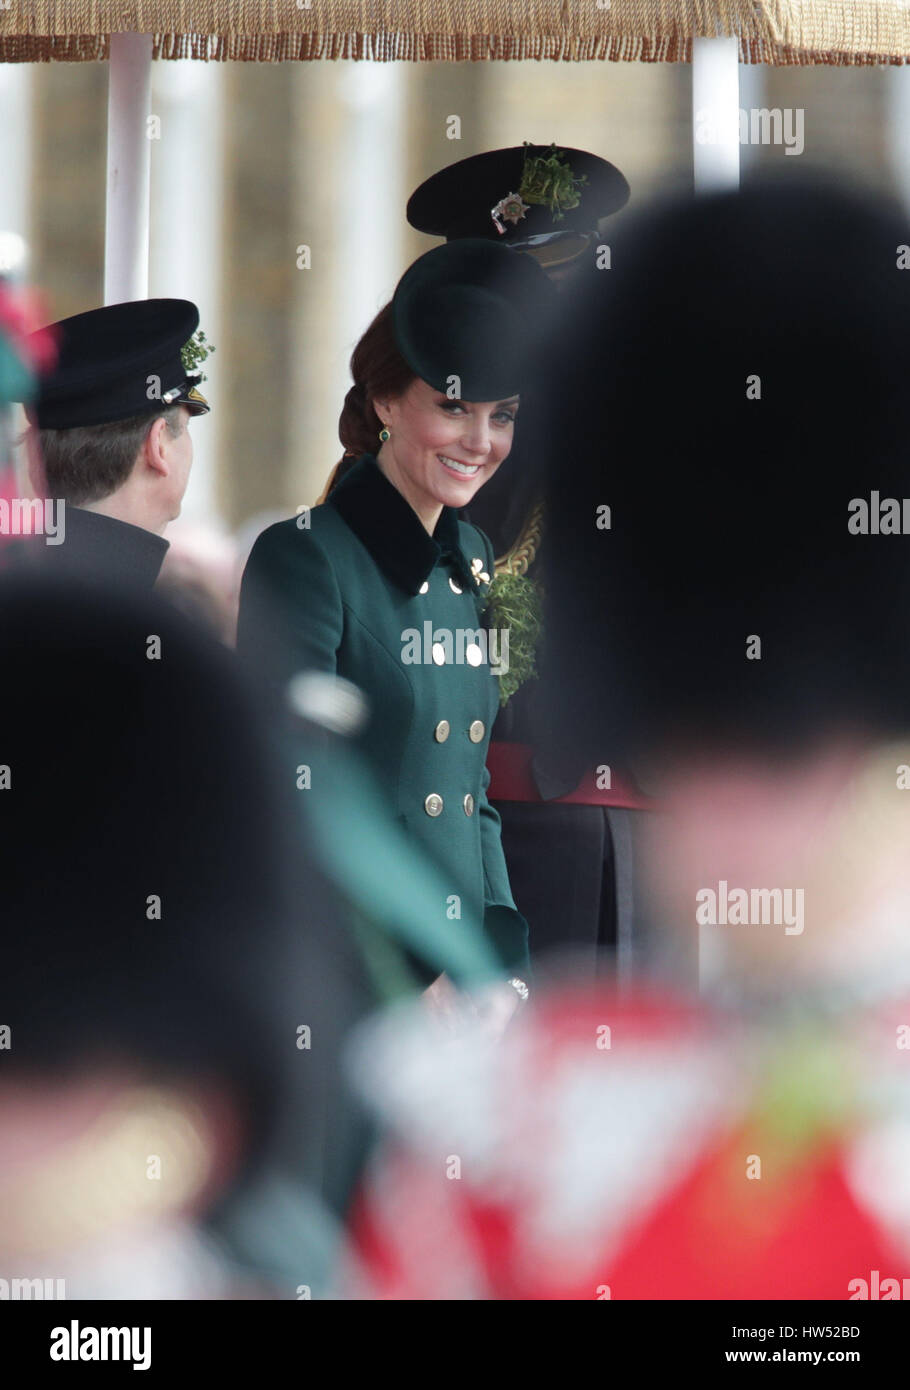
154, 448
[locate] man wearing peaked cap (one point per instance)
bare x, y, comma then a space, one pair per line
109, 436
528, 197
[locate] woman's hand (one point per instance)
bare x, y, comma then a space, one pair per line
445, 1003
488, 1010
495, 1008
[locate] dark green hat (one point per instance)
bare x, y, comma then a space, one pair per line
119, 361
546, 200
473, 311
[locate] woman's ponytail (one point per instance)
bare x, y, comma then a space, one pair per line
379, 370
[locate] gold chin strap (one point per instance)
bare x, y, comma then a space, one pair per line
550, 254
519, 559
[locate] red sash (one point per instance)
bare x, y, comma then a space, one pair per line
511, 779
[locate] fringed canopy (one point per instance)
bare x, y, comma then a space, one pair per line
769, 31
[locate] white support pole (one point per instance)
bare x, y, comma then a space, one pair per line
126, 248
715, 114
15, 155
186, 147
715, 147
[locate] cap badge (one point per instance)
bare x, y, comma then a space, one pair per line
509, 209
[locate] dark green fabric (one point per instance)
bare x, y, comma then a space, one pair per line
389, 884
337, 596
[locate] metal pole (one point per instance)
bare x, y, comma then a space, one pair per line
715, 114
715, 148
187, 174
15, 150
126, 247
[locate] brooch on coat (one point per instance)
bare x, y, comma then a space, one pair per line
478, 571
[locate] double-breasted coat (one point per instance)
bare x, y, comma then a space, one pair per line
357, 587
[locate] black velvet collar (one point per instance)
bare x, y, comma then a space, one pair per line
392, 531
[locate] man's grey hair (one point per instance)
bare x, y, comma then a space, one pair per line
89, 462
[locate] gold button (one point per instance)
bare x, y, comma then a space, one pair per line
433, 804
455, 586
469, 805
474, 655
425, 587
476, 731
441, 732
439, 653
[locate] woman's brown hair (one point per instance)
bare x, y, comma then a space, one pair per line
378, 369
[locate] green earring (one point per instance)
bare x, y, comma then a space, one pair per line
384, 434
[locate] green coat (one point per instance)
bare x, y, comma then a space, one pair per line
358, 588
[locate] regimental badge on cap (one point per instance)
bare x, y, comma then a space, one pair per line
509, 209
188, 395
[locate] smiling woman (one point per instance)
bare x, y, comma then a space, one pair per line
438, 451
430, 417
387, 395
